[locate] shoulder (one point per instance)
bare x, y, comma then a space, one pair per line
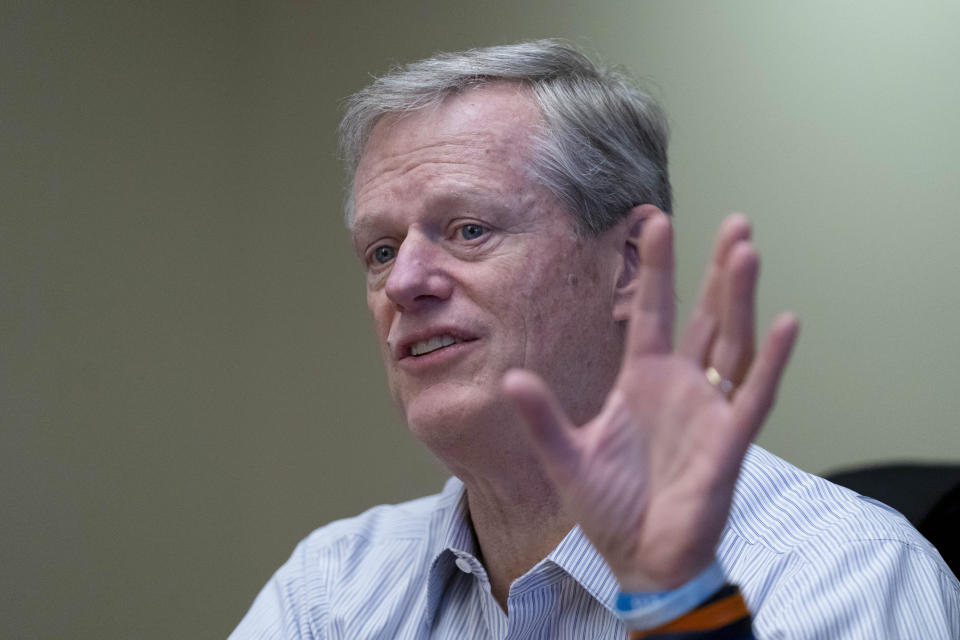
384, 523
398, 533
813, 553
385, 545
785, 509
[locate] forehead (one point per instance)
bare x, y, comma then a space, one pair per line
475, 142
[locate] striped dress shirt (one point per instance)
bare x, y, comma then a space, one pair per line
812, 559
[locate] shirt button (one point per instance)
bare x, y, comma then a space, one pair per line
464, 565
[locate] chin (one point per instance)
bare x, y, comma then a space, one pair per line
451, 415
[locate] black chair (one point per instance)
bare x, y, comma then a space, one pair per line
942, 527
928, 495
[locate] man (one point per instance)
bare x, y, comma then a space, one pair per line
508, 207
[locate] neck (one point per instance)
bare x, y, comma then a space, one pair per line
518, 521
517, 515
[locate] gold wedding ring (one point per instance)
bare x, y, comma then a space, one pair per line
722, 384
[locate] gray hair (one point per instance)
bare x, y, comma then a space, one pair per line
602, 148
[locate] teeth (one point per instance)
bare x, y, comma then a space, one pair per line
426, 346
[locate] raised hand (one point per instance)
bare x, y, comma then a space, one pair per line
650, 479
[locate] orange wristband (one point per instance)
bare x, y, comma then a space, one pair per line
711, 616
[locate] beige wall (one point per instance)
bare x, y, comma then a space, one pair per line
188, 383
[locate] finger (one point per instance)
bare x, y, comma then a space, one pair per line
651, 319
547, 423
755, 398
733, 349
704, 318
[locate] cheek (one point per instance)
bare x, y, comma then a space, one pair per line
382, 317
559, 299
571, 277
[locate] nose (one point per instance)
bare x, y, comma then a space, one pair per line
418, 276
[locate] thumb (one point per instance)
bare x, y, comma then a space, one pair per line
547, 424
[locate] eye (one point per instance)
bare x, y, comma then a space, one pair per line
384, 254
472, 231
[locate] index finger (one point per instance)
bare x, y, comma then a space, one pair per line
651, 318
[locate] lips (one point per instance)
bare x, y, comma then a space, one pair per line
427, 342
424, 347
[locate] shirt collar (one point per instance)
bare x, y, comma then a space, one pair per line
575, 555
451, 522
581, 560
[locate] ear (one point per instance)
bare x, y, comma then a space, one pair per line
630, 229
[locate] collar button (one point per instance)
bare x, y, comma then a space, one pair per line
464, 565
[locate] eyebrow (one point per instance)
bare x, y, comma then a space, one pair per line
359, 227
471, 198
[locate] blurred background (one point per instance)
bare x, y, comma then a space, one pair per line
188, 381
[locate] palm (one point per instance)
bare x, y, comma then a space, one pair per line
651, 477
648, 482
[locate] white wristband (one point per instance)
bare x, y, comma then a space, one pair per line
646, 610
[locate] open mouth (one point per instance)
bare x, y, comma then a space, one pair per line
423, 347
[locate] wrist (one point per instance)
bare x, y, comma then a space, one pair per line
648, 609
663, 575
723, 615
